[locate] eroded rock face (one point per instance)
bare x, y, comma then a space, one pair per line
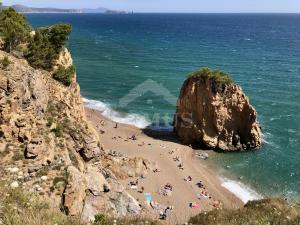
74, 194
216, 115
90, 193
43, 129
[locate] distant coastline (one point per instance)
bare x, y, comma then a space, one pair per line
26, 10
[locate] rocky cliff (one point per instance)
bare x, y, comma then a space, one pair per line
214, 113
47, 146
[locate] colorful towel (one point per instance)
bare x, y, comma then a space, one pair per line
148, 197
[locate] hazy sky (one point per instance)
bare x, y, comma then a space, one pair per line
172, 5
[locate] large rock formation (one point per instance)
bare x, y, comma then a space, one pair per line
44, 132
214, 113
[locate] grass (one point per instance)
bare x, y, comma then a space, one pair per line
6, 151
261, 212
20, 207
216, 75
58, 130
18, 155
5, 62
101, 219
43, 171
57, 183
73, 159
50, 121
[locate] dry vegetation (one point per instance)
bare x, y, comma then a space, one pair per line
18, 208
262, 212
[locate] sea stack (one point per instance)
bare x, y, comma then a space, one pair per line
214, 113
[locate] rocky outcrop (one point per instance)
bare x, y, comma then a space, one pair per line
214, 113
44, 131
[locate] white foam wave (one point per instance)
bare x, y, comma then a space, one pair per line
118, 117
240, 190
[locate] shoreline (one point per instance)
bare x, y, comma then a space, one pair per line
140, 122
157, 149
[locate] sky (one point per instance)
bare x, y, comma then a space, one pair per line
205, 6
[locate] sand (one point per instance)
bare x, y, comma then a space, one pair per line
157, 147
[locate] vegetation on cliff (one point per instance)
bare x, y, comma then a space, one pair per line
41, 47
44, 47
19, 207
4, 62
14, 29
64, 75
214, 113
261, 212
216, 75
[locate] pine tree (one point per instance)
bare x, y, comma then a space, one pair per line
13, 28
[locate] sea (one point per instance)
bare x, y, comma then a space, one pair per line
131, 68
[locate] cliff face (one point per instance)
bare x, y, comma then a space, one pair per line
216, 115
45, 137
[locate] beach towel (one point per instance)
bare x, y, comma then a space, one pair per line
194, 205
148, 197
134, 187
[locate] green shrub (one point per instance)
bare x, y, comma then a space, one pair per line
14, 28
216, 75
64, 75
101, 219
5, 62
58, 130
18, 156
73, 159
261, 212
50, 121
43, 171
46, 44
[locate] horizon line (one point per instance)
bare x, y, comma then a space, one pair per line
167, 12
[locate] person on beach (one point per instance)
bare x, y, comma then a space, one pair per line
142, 144
176, 159
165, 212
168, 186
200, 184
180, 166
156, 170
189, 179
133, 137
116, 126
142, 190
171, 152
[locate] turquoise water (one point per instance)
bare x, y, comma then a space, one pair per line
116, 53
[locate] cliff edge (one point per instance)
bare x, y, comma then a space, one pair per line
47, 146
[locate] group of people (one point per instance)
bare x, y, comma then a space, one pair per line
166, 190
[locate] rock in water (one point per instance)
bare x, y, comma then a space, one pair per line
214, 113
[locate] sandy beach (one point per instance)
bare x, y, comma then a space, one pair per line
168, 154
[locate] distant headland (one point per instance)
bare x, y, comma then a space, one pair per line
27, 9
